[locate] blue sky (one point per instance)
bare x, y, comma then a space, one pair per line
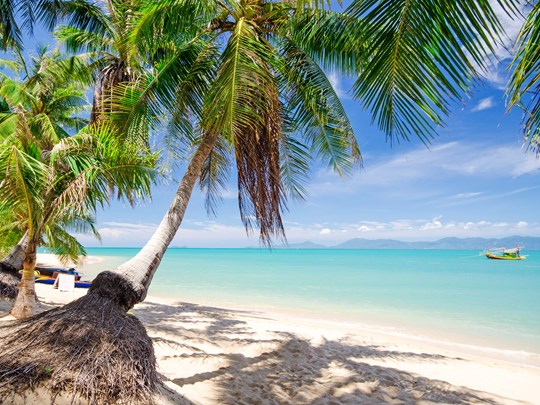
475, 180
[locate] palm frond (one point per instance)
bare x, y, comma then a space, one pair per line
10, 33
64, 245
243, 106
174, 21
22, 178
79, 40
317, 111
524, 85
422, 56
86, 15
214, 176
295, 158
333, 39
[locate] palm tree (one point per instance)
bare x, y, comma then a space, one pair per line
102, 32
255, 85
52, 181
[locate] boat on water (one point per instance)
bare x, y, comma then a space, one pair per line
504, 254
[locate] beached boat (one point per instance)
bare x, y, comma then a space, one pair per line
51, 271
504, 254
51, 281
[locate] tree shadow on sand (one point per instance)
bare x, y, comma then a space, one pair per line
288, 369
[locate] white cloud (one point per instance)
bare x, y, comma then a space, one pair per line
467, 195
216, 234
336, 81
398, 173
497, 73
434, 224
484, 104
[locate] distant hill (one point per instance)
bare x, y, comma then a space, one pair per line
527, 242
302, 245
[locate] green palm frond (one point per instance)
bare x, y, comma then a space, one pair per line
78, 40
243, 71
295, 159
10, 32
243, 106
214, 176
8, 64
153, 30
87, 16
64, 245
333, 39
180, 81
421, 56
524, 85
317, 111
22, 178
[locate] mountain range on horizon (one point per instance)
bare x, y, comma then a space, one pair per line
449, 243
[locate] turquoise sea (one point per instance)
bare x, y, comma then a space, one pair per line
458, 295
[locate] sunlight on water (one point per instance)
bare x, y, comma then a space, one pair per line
443, 293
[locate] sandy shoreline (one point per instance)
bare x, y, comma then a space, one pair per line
210, 355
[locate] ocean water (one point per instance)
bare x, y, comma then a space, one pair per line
460, 295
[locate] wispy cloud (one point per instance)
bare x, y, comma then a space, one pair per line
216, 234
443, 161
336, 81
497, 60
484, 104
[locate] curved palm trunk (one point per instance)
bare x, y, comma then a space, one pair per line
101, 341
9, 267
25, 303
128, 284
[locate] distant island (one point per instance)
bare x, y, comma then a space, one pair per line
526, 242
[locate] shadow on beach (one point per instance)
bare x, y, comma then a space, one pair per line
220, 356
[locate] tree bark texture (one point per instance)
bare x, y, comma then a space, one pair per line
25, 303
9, 267
137, 272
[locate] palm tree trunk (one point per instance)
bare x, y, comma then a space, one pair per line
128, 284
9, 267
25, 303
100, 339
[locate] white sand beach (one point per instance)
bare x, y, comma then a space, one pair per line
209, 355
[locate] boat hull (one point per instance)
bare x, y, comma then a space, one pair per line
51, 281
498, 257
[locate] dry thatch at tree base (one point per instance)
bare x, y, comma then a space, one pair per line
90, 350
9, 283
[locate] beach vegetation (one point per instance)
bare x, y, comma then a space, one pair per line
243, 85
53, 181
524, 84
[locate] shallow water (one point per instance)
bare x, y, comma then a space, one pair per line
458, 295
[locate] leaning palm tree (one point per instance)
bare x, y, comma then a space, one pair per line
256, 87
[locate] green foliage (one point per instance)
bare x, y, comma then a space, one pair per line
524, 86
240, 70
53, 180
421, 55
